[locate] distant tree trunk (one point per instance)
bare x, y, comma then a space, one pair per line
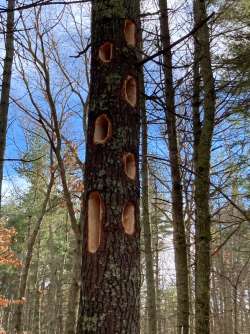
155, 222
150, 280
74, 290
5, 86
216, 312
36, 326
180, 246
51, 308
226, 290
228, 307
190, 274
158, 291
27, 262
109, 300
203, 133
235, 309
59, 297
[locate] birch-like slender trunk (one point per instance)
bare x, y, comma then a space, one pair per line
36, 326
74, 290
180, 246
5, 86
203, 133
150, 280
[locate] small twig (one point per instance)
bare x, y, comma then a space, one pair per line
41, 3
21, 160
226, 240
161, 52
82, 52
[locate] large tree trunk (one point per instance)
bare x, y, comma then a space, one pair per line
203, 133
109, 300
5, 86
180, 246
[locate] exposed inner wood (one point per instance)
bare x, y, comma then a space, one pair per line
129, 165
103, 129
106, 52
128, 218
130, 32
130, 90
95, 217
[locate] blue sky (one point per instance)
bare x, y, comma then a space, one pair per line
68, 45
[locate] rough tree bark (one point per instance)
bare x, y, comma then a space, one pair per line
5, 86
180, 246
203, 132
109, 300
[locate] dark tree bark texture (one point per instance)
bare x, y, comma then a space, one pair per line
111, 260
203, 134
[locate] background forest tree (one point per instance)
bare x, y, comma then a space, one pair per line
192, 62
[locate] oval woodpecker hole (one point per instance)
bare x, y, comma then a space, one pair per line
106, 52
95, 217
130, 32
129, 165
128, 218
130, 90
103, 129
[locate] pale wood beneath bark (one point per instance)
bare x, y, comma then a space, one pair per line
95, 216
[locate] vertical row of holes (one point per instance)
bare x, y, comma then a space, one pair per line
130, 95
95, 220
102, 132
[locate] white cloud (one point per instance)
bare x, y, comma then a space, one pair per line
13, 189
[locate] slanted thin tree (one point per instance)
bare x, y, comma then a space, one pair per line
5, 85
180, 244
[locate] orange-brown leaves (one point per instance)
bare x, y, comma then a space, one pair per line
6, 302
7, 256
